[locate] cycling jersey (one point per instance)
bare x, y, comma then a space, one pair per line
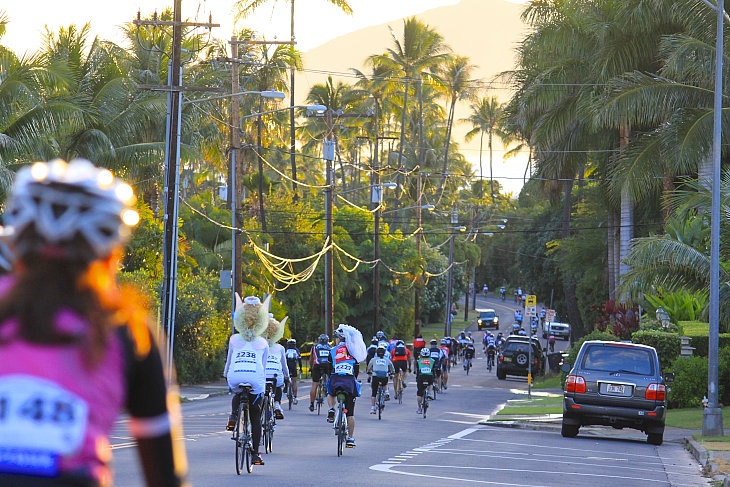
344, 371
380, 367
276, 364
321, 354
401, 354
425, 367
246, 363
68, 408
293, 359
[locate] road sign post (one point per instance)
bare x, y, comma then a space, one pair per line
530, 313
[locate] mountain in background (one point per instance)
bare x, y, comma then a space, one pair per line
486, 31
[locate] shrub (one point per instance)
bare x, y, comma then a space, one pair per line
667, 345
690, 382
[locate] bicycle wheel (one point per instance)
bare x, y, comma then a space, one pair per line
268, 423
290, 394
426, 400
341, 425
400, 388
238, 437
468, 366
247, 445
379, 400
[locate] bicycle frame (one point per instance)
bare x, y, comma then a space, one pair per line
340, 422
242, 435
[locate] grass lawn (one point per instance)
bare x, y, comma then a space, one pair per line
691, 418
534, 406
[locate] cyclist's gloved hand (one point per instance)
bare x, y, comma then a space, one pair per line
369, 378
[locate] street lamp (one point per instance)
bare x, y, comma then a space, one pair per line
663, 317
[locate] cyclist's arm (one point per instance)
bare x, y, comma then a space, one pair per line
228, 359
391, 368
155, 419
284, 367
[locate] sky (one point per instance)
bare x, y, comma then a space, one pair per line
316, 23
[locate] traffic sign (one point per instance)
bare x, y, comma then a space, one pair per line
531, 300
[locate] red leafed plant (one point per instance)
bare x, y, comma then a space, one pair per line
620, 319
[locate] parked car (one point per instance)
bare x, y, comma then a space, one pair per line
515, 358
616, 384
487, 318
558, 330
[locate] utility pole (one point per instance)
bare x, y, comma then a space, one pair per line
234, 181
175, 89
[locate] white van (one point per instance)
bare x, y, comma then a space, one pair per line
558, 330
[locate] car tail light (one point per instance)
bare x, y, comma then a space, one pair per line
501, 358
576, 383
656, 392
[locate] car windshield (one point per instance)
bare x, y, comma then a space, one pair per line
618, 360
487, 315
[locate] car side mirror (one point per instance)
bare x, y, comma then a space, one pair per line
669, 377
565, 367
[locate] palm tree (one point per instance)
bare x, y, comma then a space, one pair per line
455, 76
484, 118
417, 54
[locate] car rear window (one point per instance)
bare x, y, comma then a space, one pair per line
615, 359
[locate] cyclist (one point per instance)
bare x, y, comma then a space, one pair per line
439, 357
345, 358
468, 353
379, 369
277, 371
320, 363
551, 343
518, 316
543, 314
68, 331
418, 344
499, 341
401, 358
502, 293
372, 348
425, 373
491, 350
293, 359
246, 364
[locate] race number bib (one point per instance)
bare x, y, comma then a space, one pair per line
425, 370
39, 422
245, 361
344, 368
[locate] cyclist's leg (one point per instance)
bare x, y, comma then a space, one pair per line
255, 412
373, 392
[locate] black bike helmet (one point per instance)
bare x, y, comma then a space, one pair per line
323, 339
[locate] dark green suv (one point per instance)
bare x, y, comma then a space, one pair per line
615, 384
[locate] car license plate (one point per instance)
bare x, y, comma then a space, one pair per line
615, 388
507, 359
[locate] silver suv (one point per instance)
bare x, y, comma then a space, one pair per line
615, 384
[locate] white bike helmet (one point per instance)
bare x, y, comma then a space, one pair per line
71, 211
425, 352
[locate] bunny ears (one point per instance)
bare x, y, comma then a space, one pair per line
252, 319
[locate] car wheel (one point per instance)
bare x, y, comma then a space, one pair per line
569, 430
655, 438
501, 375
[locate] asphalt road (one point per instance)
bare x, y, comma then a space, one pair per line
449, 447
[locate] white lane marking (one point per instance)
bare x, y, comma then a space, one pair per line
387, 468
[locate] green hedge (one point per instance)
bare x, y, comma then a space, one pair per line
667, 345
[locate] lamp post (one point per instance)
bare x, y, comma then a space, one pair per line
712, 414
449, 280
234, 183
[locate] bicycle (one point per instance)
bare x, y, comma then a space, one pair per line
380, 400
242, 432
321, 392
268, 419
426, 400
490, 360
398, 386
467, 365
290, 393
340, 421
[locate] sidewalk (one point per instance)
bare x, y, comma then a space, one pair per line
717, 463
